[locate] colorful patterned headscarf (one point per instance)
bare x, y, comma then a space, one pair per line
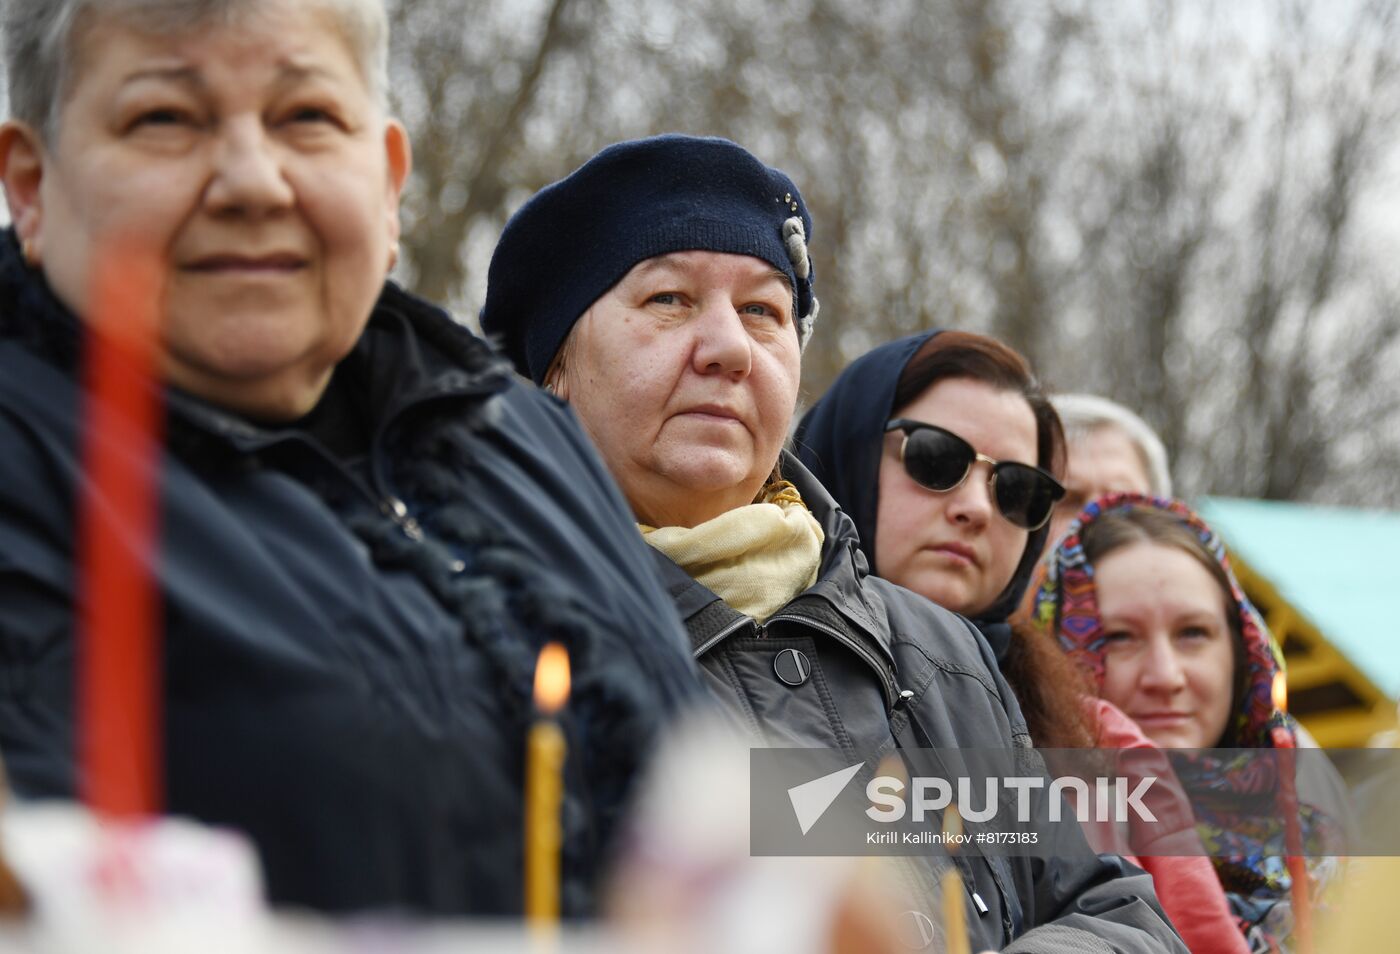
1247, 861
1067, 605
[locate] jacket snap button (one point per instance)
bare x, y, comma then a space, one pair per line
792, 667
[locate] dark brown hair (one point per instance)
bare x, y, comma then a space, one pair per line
962, 354
1050, 689
1120, 528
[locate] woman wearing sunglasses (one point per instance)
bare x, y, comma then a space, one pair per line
944, 451
678, 297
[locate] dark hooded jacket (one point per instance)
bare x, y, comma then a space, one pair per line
884, 669
840, 439
352, 605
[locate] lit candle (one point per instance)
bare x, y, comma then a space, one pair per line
544, 790
1293, 824
954, 905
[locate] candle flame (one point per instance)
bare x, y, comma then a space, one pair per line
1281, 692
952, 822
552, 678
893, 766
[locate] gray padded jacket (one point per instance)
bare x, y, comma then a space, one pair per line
886, 669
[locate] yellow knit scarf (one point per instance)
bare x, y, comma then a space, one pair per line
755, 558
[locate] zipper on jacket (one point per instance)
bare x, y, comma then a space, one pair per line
397, 510
725, 633
369, 490
390, 505
886, 678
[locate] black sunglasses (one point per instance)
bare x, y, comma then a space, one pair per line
941, 460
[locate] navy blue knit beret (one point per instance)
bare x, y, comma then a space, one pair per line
635, 200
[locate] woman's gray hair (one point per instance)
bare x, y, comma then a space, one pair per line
1082, 414
41, 37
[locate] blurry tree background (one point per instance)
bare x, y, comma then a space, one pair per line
1188, 205
1173, 204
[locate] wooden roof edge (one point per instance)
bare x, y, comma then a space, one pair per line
1255, 585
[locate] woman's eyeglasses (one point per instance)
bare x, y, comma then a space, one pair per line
941, 460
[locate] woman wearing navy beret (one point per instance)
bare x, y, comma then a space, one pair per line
665, 291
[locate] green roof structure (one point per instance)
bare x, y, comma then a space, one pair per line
1327, 580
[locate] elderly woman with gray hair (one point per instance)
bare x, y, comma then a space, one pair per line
368, 526
664, 289
1109, 450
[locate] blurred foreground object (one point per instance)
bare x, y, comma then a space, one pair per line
119, 733
148, 887
14, 900
1363, 915
688, 883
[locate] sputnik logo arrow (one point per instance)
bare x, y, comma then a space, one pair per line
810, 800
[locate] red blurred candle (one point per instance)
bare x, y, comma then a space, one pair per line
118, 728
1293, 823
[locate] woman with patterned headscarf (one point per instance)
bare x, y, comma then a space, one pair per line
1141, 595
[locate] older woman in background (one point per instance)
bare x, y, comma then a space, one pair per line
1111, 450
664, 290
368, 527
